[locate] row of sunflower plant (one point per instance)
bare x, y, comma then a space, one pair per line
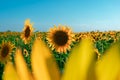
32, 55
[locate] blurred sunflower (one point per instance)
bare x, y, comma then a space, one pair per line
60, 38
25, 52
27, 31
5, 51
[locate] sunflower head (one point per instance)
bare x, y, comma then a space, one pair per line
25, 52
60, 38
5, 51
27, 31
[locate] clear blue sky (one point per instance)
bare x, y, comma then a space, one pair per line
80, 15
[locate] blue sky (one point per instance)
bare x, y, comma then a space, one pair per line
80, 15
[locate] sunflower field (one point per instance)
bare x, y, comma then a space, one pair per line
59, 54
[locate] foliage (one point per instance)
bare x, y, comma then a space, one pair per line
102, 41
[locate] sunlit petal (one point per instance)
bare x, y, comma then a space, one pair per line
109, 66
10, 72
43, 64
80, 59
21, 66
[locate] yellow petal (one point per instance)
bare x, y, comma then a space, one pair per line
109, 66
21, 66
43, 63
79, 61
10, 72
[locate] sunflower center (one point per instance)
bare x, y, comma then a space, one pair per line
27, 32
5, 51
60, 38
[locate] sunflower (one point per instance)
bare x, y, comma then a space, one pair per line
27, 31
5, 51
60, 38
25, 52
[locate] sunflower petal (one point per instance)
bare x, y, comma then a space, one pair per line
43, 63
79, 61
10, 72
21, 66
109, 66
